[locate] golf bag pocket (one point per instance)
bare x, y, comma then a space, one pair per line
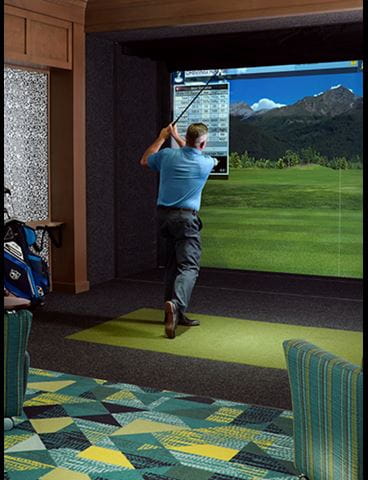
25, 272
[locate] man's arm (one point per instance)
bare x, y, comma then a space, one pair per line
155, 147
175, 134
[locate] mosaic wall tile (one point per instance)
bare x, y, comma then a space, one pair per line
26, 144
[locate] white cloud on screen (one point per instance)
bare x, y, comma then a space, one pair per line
266, 104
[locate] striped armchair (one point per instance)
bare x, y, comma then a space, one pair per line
327, 400
17, 327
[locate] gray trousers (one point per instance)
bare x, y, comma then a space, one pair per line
183, 242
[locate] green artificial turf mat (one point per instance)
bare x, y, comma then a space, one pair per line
224, 339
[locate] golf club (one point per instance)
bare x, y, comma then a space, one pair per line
194, 98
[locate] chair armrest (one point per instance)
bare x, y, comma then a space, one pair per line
11, 302
17, 327
327, 400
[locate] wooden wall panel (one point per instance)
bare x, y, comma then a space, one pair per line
50, 33
36, 39
50, 40
80, 282
71, 10
15, 41
113, 15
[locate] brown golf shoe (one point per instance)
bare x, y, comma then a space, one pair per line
171, 319
187, 322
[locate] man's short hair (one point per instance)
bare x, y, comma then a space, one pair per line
196, 134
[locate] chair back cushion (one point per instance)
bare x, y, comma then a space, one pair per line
17, 327
327, 400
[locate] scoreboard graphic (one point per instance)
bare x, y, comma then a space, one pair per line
211, 108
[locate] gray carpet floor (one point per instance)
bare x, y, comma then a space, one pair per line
298, 300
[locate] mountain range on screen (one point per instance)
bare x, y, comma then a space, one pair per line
331, 123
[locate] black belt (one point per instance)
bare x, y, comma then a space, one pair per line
164, 207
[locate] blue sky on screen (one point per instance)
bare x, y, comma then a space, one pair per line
289, 89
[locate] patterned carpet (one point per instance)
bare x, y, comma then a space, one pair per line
77, 428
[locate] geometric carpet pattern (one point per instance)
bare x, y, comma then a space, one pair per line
78, 428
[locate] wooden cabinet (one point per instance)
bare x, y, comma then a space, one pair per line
37, 39
115, 15
50, 34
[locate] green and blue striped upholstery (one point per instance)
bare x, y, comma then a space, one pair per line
327, 399
17, 327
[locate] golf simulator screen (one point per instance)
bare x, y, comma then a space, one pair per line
289, 143
212, 108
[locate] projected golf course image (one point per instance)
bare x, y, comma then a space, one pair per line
292, 197
301, 219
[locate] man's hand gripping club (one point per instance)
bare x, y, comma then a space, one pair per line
165, 133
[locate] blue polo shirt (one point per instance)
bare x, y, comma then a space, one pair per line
183, 174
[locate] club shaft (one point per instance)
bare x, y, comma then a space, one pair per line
195, 98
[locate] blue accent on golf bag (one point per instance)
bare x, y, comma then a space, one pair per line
25, 273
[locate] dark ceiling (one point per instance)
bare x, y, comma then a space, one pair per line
256, 42
280, 46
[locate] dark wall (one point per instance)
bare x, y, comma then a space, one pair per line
137, 125
100, 159
127, 100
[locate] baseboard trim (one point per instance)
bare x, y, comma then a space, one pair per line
69, 287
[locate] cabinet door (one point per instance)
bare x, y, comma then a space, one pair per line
37, 39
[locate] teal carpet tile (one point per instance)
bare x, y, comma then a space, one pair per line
79, 428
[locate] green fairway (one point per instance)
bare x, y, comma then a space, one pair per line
305, 220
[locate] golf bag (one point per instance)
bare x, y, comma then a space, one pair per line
26, 273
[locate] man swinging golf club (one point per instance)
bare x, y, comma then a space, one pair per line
183, 174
